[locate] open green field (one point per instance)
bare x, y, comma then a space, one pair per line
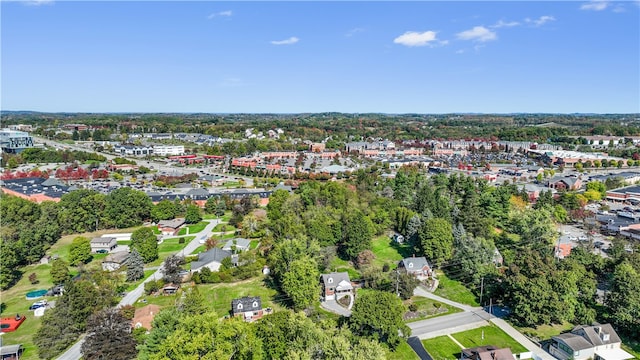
430, 308
224, 227
455, 290
339, 265
545, 332
403, 351
492, 336
219, 296
387, 251
193, 229
168, 247
442, 348
135, 284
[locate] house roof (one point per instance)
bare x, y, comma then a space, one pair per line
102, 240
118, 257
207, 257
144, 316
248, 303
197, 192
593, 333
488, 352
614, 354
175, 223
241, 243
575, 342
415, 263
344, 285
335, 278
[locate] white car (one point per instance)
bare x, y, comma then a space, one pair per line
582, 238
573, 238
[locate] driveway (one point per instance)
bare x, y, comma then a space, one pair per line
334, 307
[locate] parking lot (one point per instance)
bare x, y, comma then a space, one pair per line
571, 234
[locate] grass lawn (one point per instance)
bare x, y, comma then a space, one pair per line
194, 228
135, 284
168, 247
254, 244
430, 308
200, 249
124, 242
387, 251
227, 228
339, 265
545, 332
403, 351
219, 296
492, 336
227, 216
632, 346
155, 230
442, 348
455, 290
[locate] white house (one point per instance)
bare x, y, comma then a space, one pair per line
599, 342
168, 150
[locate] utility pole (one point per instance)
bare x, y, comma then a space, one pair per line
481, 289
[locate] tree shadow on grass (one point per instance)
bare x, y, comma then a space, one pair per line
405, 250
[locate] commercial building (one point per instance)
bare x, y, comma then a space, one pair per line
14, 142
168, 150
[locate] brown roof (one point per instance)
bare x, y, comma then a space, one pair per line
144, 316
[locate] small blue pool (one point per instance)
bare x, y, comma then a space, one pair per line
36, 294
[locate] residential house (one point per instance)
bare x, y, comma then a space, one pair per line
100, 244
170, 227
250, 308
211, 258
237, 245
114, 261
487, 352
398, 238
144, 316
169, 289
564, 183
563, 250
598, 342
335, 285
416, 266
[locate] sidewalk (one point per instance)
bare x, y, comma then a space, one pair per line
539, 353
420, 291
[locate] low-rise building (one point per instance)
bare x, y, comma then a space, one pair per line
335, 285
102, 244
416, 266
599, 342
114, 261
170, 227
250, 308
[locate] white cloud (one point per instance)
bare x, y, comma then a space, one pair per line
478, 33
353, 31
414, 38
289, 41
37, 2
461, 51
501, 24
597, 5
541, 20
226, 13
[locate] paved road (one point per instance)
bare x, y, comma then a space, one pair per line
416, 345
448, 324
73, 353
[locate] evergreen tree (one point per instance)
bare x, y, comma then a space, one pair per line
135, 266
109, 337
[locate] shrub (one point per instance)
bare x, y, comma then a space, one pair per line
33, 278
413, 307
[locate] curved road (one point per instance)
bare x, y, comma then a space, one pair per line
73, 353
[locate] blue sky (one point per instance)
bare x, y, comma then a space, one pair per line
289, 57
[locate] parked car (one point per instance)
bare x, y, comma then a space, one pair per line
38, 304
598, 244
102, 251
582, 238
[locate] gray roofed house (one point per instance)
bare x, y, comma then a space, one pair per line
417, 266
170, 227
103, 243
249, 307
589, 342
115, 260
241, 244
335, 285
211, 258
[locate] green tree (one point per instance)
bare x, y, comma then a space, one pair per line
404, 283
379, 315
358, 230
301, 284
135, 266
109, 337
126, 207
172, 267
435, 240
59, 271
193, 302
193, 215
80, 251
164, 210
624, 299
144, 241
163, 325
